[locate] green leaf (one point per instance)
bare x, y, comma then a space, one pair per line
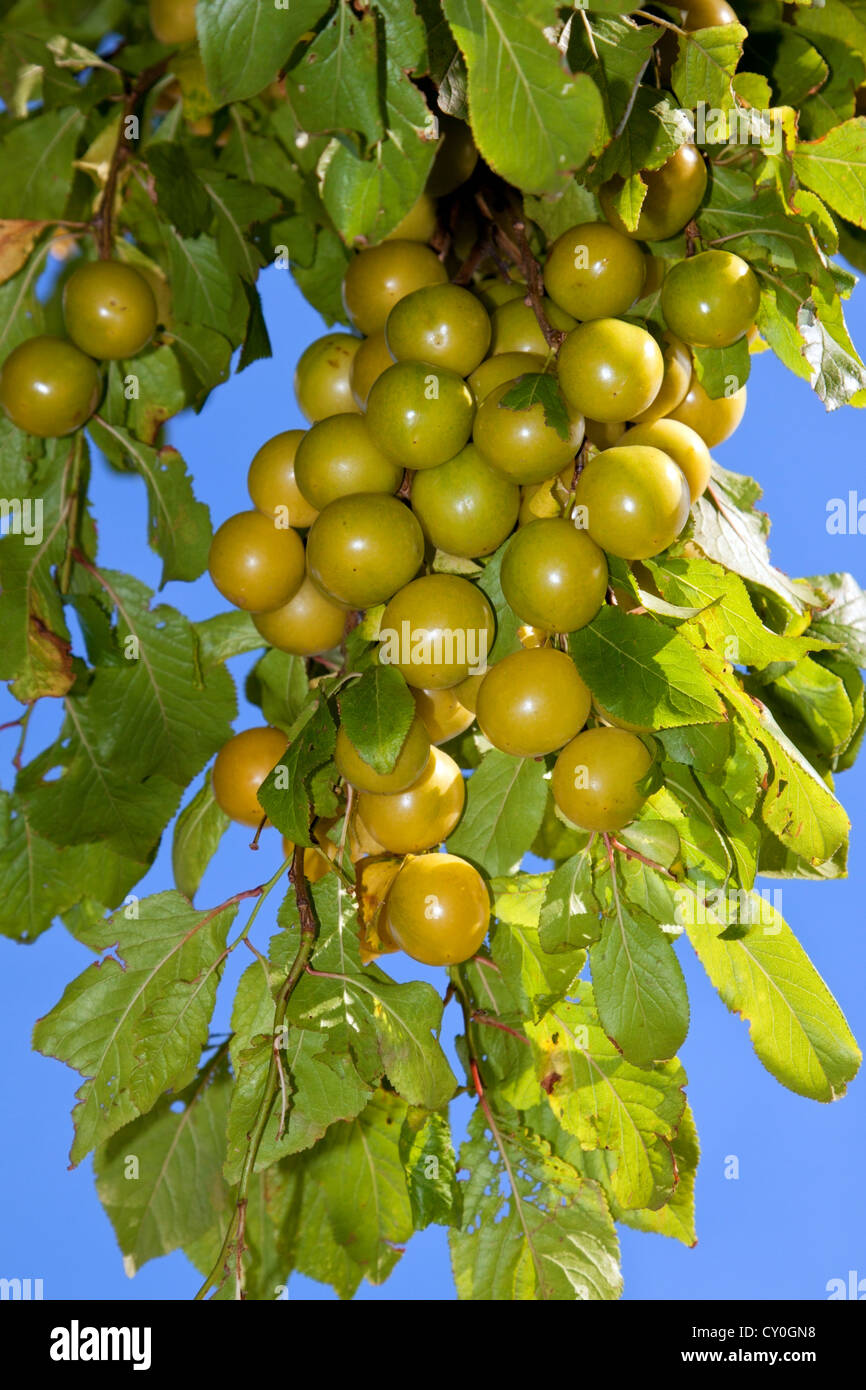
505, 800
181, 197
159, 1179
163, 383
642, 672
843, 619
197, 833
226, 635
364, 1197
727, 528
287, 801
834, 167
135, 1024
836, 373
278, 683
569, 918
518, 81
721, 371
430, 1165
244, 46
179, 528
204, 291
320, 282
705, 65
363, 1013
317, 1088
639, 987
334, 86
546, 1236
728, 619
36, 163
613, 52
797, 1029
677, 1217
34, 639
376, 713
537, 978
38, 881
608, 1103
539, 388
506, 640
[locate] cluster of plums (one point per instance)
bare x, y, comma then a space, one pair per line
416, 445
51, 386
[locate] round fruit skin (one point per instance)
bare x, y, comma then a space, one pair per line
307, 625
271, 481
109, 310
419, 224
421, 816
323, 377
714, 420
455, 159
711, 299
675, 382
241, 766
532, 702
516, 328
553, 576
594, 272
505, 366
443, 714
411, 761
610, 370
636, 498
467, 690
172, 21
255, 564
441, 324
436, 631
520, 443
420, 414
682, 444
378, 277
438, 909
339, 456
612, 762
48, 387
493, 292
604, 433
362, 548
707, 14
465, 507
674, 194
368, 364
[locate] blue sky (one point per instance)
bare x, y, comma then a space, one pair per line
791, 1221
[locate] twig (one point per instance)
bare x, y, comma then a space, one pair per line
104, 216
234, 1237
634, 854
478, 1016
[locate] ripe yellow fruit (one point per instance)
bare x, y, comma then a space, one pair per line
272, 485
438, 909
411, 761
308, 625
681, 443
241, 767
421, 816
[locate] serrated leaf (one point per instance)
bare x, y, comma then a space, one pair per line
834, 167
537, 977
244, 46
36, 163
376, 712
843, 620
505, 800
334, 85
518, 80
197, 833
179, 527
430, 1166
175, 1190
639, 987
705, 65
641, 671
608, 1103
288, 802
797, 1029
152, 1001
722, 371
546, 1236
539, 388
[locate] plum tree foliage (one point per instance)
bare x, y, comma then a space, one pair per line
661, 712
